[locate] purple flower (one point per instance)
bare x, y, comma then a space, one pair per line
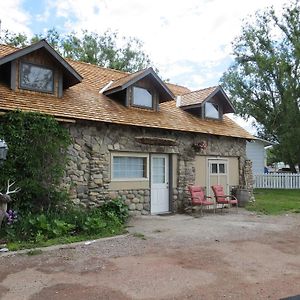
11, 216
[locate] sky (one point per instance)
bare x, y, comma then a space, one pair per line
189, 41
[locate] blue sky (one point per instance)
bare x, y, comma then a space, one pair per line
188, 41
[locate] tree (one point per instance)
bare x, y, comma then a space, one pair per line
89, 47
264, 80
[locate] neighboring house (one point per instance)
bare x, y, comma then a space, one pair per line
134, 136
256, 152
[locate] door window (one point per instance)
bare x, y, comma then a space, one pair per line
158, 169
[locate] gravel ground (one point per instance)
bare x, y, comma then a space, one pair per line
229, 256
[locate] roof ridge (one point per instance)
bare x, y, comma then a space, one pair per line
10, 46
98, 66
68, 59
211, 87
179, 85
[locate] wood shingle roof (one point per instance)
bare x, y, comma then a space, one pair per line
84, 102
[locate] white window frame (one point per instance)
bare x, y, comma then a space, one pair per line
129, 154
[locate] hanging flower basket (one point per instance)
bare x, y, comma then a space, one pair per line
199, 146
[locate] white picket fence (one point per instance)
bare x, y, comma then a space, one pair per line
277, 181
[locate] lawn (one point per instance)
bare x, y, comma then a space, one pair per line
275, 201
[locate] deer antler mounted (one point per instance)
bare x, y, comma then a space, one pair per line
9, 185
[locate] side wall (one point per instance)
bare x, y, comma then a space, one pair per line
88, 174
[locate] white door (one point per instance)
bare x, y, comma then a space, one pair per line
159, 183
218, 174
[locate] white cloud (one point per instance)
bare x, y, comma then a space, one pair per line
173, 31
13, 17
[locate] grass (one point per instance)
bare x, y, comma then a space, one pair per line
275, 201
14, 246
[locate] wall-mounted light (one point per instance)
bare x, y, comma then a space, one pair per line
3, 150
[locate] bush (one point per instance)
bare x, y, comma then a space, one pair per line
118, 208
67, 222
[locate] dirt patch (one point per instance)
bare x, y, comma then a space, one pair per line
233, 256
77, 291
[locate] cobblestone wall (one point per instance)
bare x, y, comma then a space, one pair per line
87, 176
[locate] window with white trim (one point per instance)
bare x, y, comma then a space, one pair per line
141, 97
129, 167
212, 110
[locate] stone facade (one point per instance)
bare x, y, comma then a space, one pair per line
88, 177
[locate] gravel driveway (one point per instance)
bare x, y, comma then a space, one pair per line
228, 256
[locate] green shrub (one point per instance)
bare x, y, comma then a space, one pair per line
118, 208
66, 222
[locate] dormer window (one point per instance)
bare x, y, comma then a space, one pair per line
212, 110
143, 89
142, 97
36, 78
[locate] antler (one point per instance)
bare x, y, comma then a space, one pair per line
10, 185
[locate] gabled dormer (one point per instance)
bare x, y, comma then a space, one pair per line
210, 103
143, 89
38, 68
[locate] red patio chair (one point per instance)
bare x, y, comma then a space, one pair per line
221, 198
199, 198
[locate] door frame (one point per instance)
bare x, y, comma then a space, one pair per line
169, 173
218, 159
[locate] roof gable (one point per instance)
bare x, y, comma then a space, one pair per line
72, 77
198, 98
130, 79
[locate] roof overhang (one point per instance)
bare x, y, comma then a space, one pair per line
164, 92
71, 76
218, 92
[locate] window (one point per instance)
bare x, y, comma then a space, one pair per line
141, 97
37, 78
127, 167
212, 110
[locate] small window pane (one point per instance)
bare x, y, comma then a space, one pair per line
211, 110
222, 168
158, 169
214, 168
129, 167
36, 78
142, 97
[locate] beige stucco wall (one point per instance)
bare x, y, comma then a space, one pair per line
233, 171
128, 185
202, 171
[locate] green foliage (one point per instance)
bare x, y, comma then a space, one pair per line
275, 202
36, 159
90, 47
118, 208
67, 222
264, 79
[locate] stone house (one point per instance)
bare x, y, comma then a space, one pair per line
134, 136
